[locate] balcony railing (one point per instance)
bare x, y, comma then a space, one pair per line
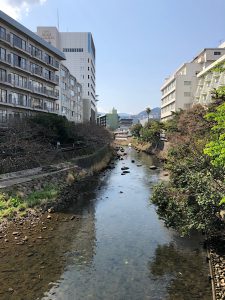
6, 59
24, 67
5, 37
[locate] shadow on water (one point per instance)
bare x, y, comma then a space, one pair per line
184, 270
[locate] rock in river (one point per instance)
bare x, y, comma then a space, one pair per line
153, 167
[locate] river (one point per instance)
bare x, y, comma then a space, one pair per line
114, 248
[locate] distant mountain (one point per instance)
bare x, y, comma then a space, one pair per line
155, 113
124, 115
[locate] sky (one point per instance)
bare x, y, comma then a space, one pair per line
138, 42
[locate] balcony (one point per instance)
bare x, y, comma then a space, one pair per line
25, 50
6, 60
53, 94
5, 37
22, 67
54, 79
42, 107
54, 64
3, 80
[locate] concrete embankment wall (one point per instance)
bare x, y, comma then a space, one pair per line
60, 177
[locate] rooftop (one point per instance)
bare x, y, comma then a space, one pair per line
19, 27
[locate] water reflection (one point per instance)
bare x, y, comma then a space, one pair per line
185, 271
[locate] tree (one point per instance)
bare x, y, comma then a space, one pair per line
191, 199
151, 132
135, 130
148, 111
215, 149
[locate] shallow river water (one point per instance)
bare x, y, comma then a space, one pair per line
115, 248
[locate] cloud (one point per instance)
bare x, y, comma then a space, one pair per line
18, 8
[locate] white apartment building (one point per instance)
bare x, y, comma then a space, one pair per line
70, 96
28, 67
178, 91
79, 50
209, 79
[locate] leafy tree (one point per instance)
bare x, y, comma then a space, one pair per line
135, 130
151, 131
191, 198
215, 149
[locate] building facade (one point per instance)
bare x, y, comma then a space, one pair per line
109, 120
125, 123
102, 121
178, 91
208, 79
79, 50
70, 96
28, 72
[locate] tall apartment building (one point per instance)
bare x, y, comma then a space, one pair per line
70, 94
178, 91
28, 67
79, 50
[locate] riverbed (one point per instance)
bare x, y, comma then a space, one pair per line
112, 246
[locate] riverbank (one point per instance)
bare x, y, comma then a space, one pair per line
109, 245
28, 197
161, 152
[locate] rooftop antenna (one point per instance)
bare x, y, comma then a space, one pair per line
58, 19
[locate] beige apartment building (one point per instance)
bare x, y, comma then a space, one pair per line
178, 91
28, 72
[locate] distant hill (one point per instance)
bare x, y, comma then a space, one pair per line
155, 113
124, 115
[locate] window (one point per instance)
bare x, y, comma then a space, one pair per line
3, 115
36, 52
2, 54
18, 42
2, 33
19, 99
187, 82
63, 73
36, 69
3, 75
217, 53
19, 61
73, 50
3, 96
187, 94
37, 103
